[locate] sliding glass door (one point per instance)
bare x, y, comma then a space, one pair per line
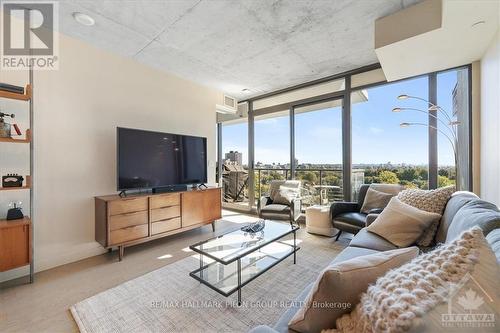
234, 155
318, 151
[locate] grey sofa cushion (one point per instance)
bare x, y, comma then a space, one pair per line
282, 324
351, 252
477, 212
457, 201
369, 240
493, 239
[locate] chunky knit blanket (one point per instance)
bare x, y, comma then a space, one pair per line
396, 301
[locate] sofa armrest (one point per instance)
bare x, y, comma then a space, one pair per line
296, 208
263, 202
262, 329
370, 218
343, 207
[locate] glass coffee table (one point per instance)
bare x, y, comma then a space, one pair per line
238, 257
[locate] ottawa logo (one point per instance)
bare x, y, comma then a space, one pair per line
469, 306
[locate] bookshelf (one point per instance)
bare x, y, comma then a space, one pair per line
17, 235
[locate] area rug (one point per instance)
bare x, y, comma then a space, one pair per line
169, 300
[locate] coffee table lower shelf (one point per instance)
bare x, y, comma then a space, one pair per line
229, 278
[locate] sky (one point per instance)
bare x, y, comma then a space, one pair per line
377, 137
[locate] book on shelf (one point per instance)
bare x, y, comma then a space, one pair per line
11, 88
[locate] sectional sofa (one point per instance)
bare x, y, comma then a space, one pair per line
463, 211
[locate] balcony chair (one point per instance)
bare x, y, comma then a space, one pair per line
267, 209
346, 216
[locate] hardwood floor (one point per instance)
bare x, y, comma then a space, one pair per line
43, 306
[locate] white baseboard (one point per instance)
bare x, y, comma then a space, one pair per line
14, 273
61, 254
53, 256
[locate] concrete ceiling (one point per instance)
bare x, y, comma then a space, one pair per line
261, 45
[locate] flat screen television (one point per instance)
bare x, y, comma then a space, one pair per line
149, 160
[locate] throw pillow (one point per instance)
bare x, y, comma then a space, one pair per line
277, 185
285, 195
396, 301
393, 189
274, 188
375, 199
402, 224
340, 286
433, 201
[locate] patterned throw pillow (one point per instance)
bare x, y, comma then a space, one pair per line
432, 201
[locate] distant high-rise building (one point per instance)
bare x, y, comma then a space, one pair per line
234, 156
460, 111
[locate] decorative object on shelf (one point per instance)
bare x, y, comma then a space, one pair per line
5, 128
12, 180
27, 138
449, 123
15, 211
11, 88
254, 227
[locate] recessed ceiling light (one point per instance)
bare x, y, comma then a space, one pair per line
83, 19
478, 23
246, 90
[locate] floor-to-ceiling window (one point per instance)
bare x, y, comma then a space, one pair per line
272, 150
234, 154
383, 133
389, 136
453, 100
318, 151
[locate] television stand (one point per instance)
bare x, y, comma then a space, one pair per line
143, 217
202, 185
123, 194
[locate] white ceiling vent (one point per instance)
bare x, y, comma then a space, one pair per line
229, 106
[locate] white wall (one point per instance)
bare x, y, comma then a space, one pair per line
77, 110
490, 122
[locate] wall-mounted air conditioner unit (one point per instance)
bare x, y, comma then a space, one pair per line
230, 105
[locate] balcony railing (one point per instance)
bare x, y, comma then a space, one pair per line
319, 185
